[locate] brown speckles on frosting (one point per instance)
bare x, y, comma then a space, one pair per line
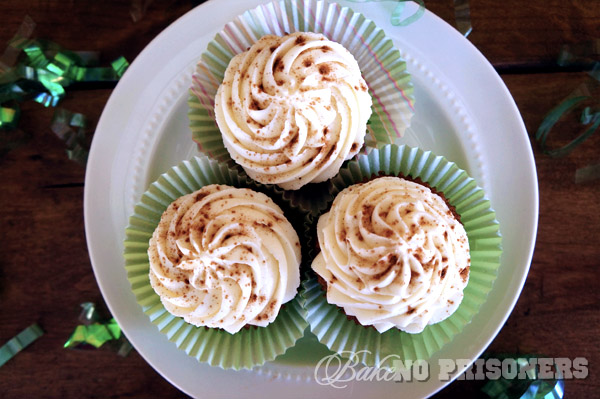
292, 114
464, 273
219, 247
393, 241
324, 69
300, 40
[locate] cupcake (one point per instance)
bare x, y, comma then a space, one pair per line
224, 257
213, 261
291, 109
409, 250
393, 255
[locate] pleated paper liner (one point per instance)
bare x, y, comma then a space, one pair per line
382, 67
248, 347
340, 334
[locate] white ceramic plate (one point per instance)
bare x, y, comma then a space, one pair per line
463, 111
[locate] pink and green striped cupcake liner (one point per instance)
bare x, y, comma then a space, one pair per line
380, 62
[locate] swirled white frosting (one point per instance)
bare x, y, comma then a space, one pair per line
393, 255
224, 257
291, 109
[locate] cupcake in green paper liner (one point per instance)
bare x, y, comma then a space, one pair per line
293, 87
409, 251
214, 263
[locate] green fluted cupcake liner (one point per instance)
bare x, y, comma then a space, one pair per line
382, 67
247, 348
330, 324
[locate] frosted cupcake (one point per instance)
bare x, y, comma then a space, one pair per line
214, 264
405, 264
292, 109
393, 255
224, 257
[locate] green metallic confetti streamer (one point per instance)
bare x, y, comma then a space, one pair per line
532, 387
42, 74
10, 136
119, 66
138, 9
89, 314
19, 342
583, 54
11, 53
397, 18
96, 331
8, 118
587, 174
584, 92
462, 14
125, 348
96, 334
92, 331
71, 127
61, 70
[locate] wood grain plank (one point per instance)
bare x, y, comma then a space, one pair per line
515, 33
45, 271
557, 312
509, 33
104, 26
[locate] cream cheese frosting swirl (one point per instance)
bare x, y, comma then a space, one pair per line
393, 255
224, 257
291, 109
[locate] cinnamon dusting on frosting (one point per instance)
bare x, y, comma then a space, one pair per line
293, 114
221, 257
405, 234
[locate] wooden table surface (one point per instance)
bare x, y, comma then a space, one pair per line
45, 271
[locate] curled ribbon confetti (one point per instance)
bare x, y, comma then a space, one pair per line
397, 18
533, 387
462, 14
591, 119
581, 55
19, 342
